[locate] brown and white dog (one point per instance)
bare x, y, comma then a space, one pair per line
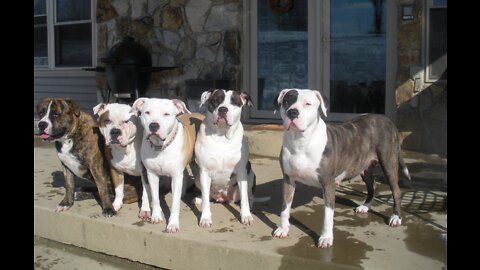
321, 155
80, 148
123, 134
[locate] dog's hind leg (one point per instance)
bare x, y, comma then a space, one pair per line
367, 177
389, 163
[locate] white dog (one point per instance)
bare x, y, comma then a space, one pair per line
222, 155
169, 139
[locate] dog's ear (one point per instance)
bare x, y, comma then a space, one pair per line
73, 106
137, 106
277, 101
322, 102
246, 99
99, 109
181, 107
205, 96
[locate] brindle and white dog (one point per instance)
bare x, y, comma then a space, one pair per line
321, 155
80, 148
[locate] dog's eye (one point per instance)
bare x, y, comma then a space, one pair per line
147, 112
308, 104
126, 121
166, 114
55, 115
107, 121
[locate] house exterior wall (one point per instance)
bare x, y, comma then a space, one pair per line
421, 114
201, 38
79, 85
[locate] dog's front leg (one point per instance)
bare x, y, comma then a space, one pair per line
288, 192
67, 201
245, 214
103, 182
326, 237
205, 182
157, 214
118, 183
173, 222
146, 196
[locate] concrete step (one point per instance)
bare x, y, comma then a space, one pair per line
361, 241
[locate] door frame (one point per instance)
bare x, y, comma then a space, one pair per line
318, 60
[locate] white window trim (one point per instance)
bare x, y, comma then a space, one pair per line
318, 66
428, 6
51, 18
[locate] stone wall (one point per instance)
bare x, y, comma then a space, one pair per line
421, 114
201, 37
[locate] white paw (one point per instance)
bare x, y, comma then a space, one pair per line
325, 241
197, 201
173, 227
281, 232
247, 220
205, 222
61, 208
144, 215
117, 204
156, 218
362, 209
395, 221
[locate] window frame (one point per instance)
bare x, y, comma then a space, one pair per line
52, 23
429, 5
318, 59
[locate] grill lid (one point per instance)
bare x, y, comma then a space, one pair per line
128, 52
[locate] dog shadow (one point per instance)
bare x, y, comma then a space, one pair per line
84, 189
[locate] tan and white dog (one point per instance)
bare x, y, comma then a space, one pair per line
123, 133
169, 136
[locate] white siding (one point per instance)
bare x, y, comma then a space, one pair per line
81, 86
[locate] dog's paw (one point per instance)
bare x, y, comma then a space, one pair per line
173, 227
395, 221
156, 218
325, 241
109, 212
362, 209
144, 215
61, 208
247, 220
117, 204
205, 222
281, 232
197, 200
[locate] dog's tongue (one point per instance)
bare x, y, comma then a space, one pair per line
44, 136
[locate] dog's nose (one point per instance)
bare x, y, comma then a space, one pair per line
292, 114
222, 110
42, 125
154, 127
115, 132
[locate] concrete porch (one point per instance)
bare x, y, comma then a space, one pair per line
360, 241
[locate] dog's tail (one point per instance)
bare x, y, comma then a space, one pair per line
403, 167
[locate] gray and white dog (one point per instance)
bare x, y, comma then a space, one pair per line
321, 155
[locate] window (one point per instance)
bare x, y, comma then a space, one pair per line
63, 35
436, 45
